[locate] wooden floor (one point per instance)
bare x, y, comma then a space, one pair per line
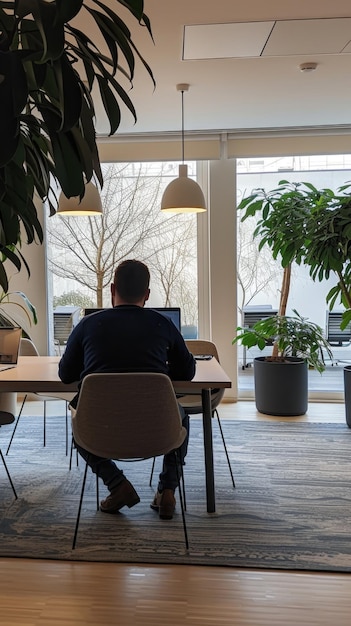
48, 593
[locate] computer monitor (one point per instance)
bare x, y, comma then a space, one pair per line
172, 312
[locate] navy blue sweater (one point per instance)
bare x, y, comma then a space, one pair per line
126, 338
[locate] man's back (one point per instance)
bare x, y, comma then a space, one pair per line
126, 338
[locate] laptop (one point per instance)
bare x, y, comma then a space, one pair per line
172, 312
10, 339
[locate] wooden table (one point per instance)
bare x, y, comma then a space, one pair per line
40, 374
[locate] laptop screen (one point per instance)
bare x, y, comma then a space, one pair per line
172, 312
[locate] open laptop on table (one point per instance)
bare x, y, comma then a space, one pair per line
10, 339
172, 312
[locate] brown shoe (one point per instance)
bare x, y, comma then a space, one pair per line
164, 503
122, 495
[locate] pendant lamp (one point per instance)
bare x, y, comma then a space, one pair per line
89, 205
183, 195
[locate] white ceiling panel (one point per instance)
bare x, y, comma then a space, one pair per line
255, 39
327, 36
221, 41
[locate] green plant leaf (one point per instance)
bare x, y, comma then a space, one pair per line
346, 319
110, 104
47, 132
68, 10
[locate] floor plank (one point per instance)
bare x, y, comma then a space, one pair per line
45, 593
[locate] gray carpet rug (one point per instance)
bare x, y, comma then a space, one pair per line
291, 508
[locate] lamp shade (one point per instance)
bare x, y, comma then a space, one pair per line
89, 205
183, 195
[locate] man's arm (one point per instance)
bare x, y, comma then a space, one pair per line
71, 364
182, 364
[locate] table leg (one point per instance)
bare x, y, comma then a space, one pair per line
208, 449
8, 402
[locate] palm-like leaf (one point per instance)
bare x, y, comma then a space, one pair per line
47, 113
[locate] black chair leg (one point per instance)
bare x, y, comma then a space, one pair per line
97, 494
80, 507
184, 491
15, 428
44, 429
66, 428
8, 474
152, 471
225, 448
71, 454
182, 500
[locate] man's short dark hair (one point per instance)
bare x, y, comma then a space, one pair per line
131, 280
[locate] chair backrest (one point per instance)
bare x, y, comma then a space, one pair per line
27, 348
127, 415
202, 346
335, 335
192, 403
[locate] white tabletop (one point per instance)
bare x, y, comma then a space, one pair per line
40, 373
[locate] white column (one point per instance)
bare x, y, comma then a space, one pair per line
222, 258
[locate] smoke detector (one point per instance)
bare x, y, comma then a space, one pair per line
310, 66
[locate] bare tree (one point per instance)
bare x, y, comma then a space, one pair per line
257, 271
87, 249
174, 268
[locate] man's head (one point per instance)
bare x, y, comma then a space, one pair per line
131, 283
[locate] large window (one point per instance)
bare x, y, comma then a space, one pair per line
259, 276
84, 251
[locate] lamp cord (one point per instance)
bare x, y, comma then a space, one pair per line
183, 126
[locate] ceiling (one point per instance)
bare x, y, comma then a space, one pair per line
241, 60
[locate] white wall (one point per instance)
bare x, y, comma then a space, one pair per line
35, 287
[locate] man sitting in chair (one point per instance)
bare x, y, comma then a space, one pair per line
127, 338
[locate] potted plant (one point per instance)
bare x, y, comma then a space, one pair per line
298, 343
15, 310
48, 69
284, 218
327, 252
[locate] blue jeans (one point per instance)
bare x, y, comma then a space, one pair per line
112, 476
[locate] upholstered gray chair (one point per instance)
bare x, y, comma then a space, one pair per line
139, 419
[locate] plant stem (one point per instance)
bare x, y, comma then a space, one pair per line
284, 294
344, 290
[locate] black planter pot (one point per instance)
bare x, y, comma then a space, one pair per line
347, 392
281, 388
